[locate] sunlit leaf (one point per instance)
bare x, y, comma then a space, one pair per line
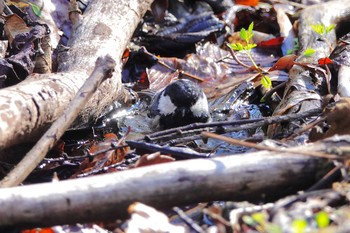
259, 217
299, 225
266, 81
237, 46
243, 34
318, 28
250, 46
250, 30
322, 219
330, 28
309, 52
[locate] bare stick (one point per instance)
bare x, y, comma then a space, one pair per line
106, 197
261, 147
103, 70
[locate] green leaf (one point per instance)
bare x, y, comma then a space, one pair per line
308, 52
243, 34
330, 28
36, 9
250, 28
322, 219
259, 218
250, 31
250, 46
266, 81
319, 28
249, 220
299, 225
237, 46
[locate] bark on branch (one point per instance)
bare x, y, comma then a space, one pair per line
28, 108
106, 197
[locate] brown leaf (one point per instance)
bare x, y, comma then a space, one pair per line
15, 25
284, 63
337, 119
151, 159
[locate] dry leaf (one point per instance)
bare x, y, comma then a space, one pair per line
284, 63
151, 159
15, 25
337, 119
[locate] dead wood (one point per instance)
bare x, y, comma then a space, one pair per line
103, 70
298, 96
106, 197
27, 109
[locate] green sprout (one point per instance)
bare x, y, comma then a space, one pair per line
321, 29
299, 226
35, 8
322, 219
247, 35
309, 52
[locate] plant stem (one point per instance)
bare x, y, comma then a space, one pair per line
252, 60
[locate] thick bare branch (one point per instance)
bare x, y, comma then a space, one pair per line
103, 70
28, 108
106, 197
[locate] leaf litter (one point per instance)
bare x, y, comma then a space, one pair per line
174, 44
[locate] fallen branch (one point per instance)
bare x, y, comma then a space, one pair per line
27, 109
103, 70
106, 197
238, 142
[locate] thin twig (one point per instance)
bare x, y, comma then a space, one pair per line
275, 149
173, 69
306, 128
189, 222
183, 153
180, 131
103, 70
236, 58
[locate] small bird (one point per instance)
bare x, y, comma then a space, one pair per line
180, 103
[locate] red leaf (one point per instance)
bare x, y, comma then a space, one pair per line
126, 55
284, 63
247, 2
272, 42
324, 61
38, 230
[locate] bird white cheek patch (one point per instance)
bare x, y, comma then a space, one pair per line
200, 107
165, 106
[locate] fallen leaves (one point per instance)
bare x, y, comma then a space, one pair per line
337, 121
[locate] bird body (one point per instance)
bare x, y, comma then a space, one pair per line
180, 103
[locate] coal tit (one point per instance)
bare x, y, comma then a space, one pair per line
180, 103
